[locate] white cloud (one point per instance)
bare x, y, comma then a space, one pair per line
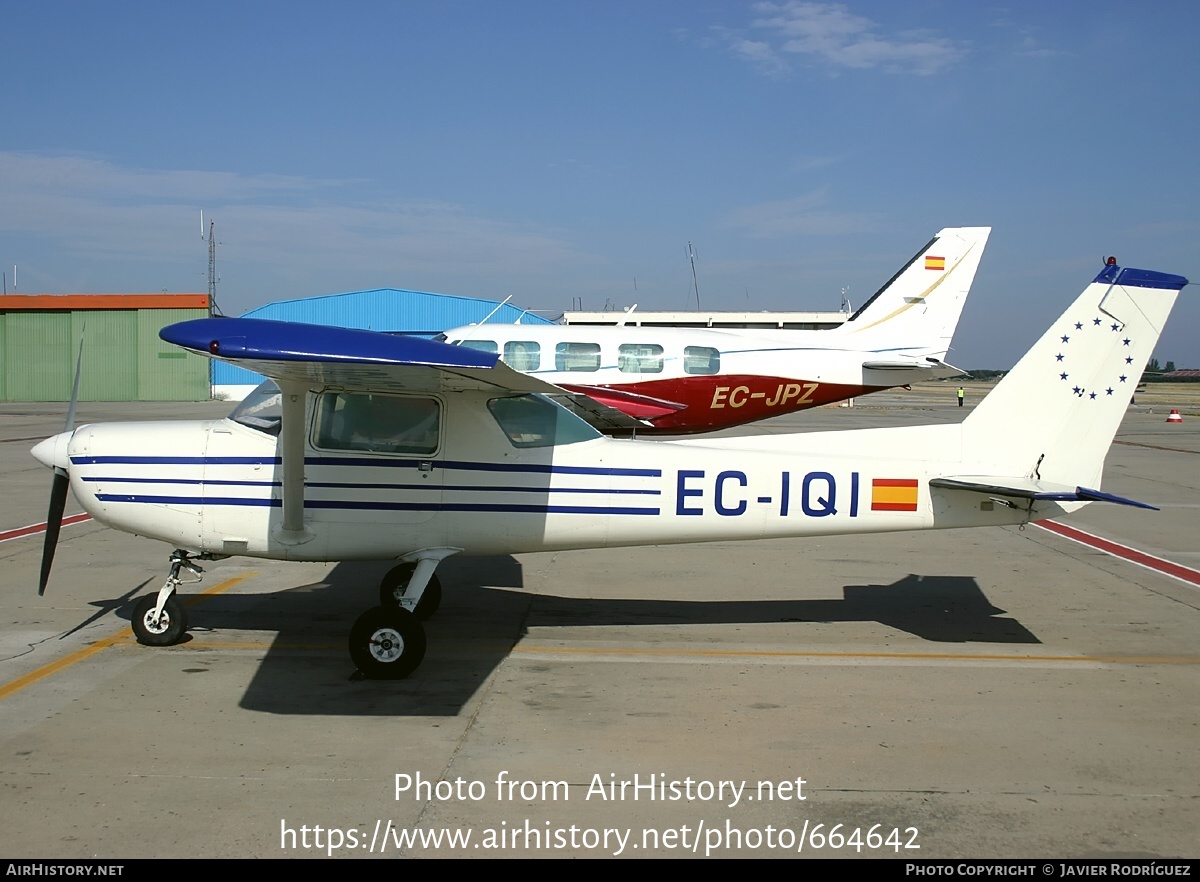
761, 55
799, 216
84, 211
831, 34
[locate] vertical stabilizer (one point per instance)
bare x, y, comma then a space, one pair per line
1055, 414
918, 309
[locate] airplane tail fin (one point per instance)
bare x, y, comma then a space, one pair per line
1054, 415
919, 307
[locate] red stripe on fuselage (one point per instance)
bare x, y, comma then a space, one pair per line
720, 401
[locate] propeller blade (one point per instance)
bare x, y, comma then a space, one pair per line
58, 502
75, 385
62, 482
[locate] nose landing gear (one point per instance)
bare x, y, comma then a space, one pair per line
161, 620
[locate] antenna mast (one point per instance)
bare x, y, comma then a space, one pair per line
695, 281
213, 308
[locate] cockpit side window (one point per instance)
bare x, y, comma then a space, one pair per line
488, 346
534, 421
374, 423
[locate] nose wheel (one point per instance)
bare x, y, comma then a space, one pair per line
160, 619
165, 629
387, 643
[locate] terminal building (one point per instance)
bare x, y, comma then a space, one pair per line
796, 321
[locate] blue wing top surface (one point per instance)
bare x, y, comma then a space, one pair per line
326, 356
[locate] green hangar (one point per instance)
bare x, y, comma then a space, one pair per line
123, 358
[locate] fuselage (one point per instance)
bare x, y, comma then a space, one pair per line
714, 378
490, 478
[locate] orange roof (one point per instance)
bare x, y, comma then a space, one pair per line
102, 301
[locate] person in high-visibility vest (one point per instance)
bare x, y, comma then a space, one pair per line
961, 395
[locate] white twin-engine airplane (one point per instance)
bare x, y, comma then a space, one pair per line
382, 447
646, 380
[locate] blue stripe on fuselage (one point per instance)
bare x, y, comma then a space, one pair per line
364, 462
349, 505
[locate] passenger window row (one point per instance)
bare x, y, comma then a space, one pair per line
632, 358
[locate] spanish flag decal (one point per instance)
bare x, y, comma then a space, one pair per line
935, 263
893, 494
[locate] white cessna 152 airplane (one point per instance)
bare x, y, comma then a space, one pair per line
381, 447
648, 380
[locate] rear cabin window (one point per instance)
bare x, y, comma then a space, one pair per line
523, 355
534, 421
701, 360
640, 358
577, 357
375, 423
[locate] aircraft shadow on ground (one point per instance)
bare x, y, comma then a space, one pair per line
484, 614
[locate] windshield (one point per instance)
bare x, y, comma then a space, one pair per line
262, 409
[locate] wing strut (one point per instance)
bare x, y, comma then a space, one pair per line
291, 448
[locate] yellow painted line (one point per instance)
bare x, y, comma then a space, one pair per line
55, 666
122, 636
195, 645
209, 645
897, 656
219, 588
449, 647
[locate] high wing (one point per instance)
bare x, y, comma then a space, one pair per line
304, 357
316, 355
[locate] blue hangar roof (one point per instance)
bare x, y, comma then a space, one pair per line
393, 310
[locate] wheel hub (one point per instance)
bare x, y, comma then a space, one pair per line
387, 645
159, 625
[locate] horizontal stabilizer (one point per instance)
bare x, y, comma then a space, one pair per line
1029, 488
927, 366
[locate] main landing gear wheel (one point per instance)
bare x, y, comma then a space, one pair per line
387, 643
170, 627
395, 584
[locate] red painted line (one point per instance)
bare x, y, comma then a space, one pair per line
33, 529
1141, 558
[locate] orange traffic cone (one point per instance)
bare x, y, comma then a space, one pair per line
1174, 417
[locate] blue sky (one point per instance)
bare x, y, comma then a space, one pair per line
562, 150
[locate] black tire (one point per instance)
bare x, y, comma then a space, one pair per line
387, 643
395, 584
170, 628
